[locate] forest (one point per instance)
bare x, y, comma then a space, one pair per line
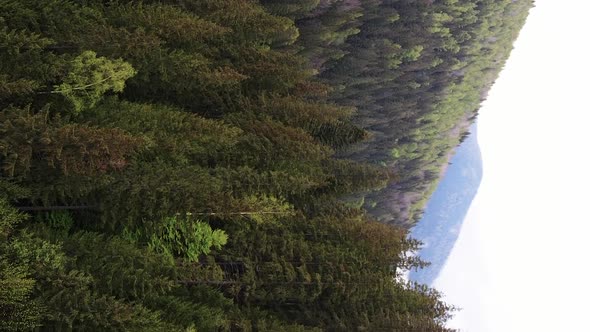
231, 165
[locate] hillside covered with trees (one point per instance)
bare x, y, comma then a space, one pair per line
223, 165
417, 71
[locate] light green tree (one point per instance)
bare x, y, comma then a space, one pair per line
18, 312
186, 237
90, 77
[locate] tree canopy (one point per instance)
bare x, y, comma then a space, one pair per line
223, 165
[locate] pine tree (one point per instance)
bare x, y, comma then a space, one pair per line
90, 77
18, 309
38, 140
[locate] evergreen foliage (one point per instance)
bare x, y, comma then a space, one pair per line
18, 309
417, 72
208, 165
90, 77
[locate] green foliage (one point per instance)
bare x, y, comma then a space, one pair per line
416, 72
18, 310
307, 269
10, 189
33, 140
169, 132
291, 8
10, 218
127, 271
186, 237
70, 295
59, 220
256, 117
90, 77
200, 307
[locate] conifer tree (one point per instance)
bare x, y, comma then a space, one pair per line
90, 77
33, 140
18, 309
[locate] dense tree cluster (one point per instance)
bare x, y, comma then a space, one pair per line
416, 70
187, 165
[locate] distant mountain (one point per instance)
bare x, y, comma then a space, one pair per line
447, 208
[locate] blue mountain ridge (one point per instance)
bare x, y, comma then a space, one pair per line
444, 214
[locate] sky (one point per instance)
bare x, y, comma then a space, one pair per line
520, 263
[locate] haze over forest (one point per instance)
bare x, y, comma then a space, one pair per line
231, 165
439, 228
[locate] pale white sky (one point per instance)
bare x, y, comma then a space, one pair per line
521, 260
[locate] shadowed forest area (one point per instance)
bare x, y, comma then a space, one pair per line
231, 165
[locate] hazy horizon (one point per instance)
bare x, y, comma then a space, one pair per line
507, 269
